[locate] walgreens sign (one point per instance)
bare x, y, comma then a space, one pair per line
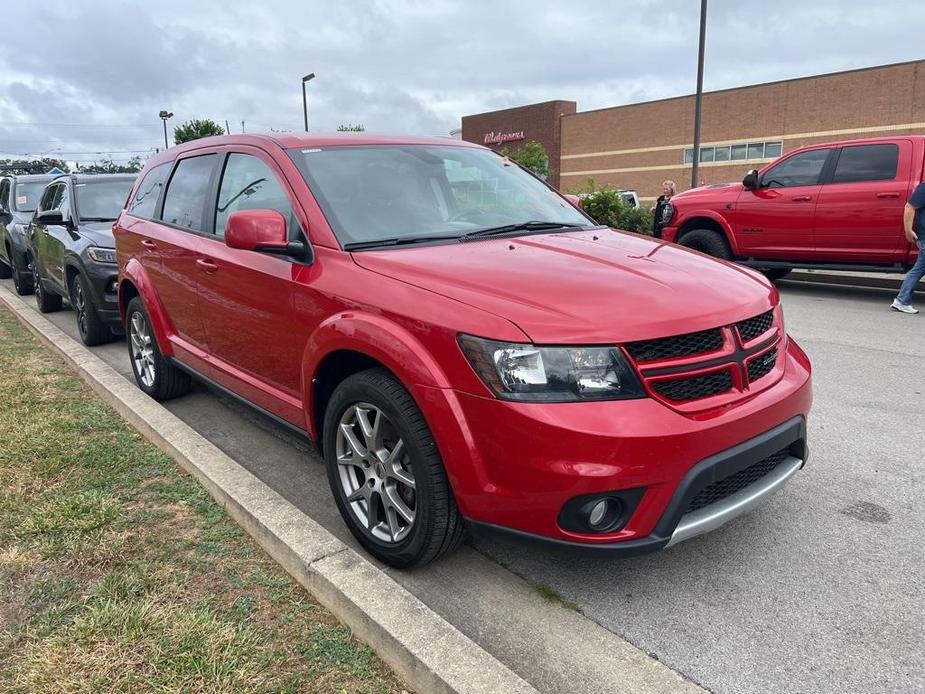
494, 138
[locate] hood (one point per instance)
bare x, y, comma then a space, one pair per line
598, 286
714, 191
98, 233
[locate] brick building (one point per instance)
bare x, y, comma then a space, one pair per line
638, 146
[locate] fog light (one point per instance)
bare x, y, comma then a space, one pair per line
597, 513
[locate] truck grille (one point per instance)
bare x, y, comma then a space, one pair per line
696, 387
719, 490
753, 327
677, 346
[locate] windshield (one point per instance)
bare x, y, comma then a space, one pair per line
102, 200
406, 191
28, 194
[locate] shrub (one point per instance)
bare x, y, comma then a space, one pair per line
606, 206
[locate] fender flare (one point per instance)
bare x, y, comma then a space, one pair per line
373, 336
716, 217
134, 273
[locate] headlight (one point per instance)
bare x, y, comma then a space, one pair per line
102, 255
667, 213
515, 371
20, 228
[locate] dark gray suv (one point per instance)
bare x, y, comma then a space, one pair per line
19, 196
72, 253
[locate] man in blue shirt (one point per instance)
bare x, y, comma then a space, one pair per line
914, 226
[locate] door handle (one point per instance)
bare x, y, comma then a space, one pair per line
887, 195
150, 245
802, 198
207, 265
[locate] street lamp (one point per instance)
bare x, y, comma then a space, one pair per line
305, 79
698, 100
164, 116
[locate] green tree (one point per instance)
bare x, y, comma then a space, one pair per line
531, 156
351, 128
133, 165
196, 128
31, 166
606, 206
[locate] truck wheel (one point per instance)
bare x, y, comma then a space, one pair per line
707, 241
45, 300
776, 273
153, 373
93, 331
386, 473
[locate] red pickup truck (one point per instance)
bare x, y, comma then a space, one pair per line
836, 206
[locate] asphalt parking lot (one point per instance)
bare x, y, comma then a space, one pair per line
820, 590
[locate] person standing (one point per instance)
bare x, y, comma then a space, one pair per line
914, 227
668, 190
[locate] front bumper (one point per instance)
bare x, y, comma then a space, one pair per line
103, 280
513, 466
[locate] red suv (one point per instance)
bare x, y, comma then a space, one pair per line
466, 347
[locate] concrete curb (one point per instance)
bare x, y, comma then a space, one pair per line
423, 648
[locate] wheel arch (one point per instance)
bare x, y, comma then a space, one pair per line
707, 219
134, 281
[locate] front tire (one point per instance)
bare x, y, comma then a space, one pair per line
707, 241
5, 271
386, 473
776, 273
93, 331
153, 373
23, 284
45, 300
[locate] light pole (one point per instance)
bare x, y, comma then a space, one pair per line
305, 79
164, 116
695, 171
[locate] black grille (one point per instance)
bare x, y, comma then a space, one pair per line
717, 491
696, 387
753, 327
761, 366
677, 346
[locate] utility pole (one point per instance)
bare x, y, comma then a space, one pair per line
242, 126
698, 102
227, 129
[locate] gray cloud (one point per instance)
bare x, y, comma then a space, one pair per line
394, 66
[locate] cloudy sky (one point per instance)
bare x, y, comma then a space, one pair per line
85, 80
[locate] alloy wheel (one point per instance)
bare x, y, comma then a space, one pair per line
142, 346
374, 471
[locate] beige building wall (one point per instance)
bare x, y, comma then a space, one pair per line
640, 145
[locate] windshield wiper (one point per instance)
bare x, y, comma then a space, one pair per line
97, 219
396, 241
522, 226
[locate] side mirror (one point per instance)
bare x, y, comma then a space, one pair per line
751, 180
262, 230
574, 199
50, 217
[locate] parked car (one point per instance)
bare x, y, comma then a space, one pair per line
72, 253
480, 356
836, 206
19, 196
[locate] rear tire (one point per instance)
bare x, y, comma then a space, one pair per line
45, 300
391, 469
93, 331
155, 375
707, 241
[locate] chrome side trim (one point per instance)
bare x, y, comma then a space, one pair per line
713, 516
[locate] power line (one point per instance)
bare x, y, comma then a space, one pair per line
82, 125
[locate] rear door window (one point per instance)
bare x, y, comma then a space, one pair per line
867, 163
145, 201
249, 184
184, 201
803, 169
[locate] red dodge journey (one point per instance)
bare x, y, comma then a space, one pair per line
466, 347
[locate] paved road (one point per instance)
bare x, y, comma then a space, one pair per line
820, 590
